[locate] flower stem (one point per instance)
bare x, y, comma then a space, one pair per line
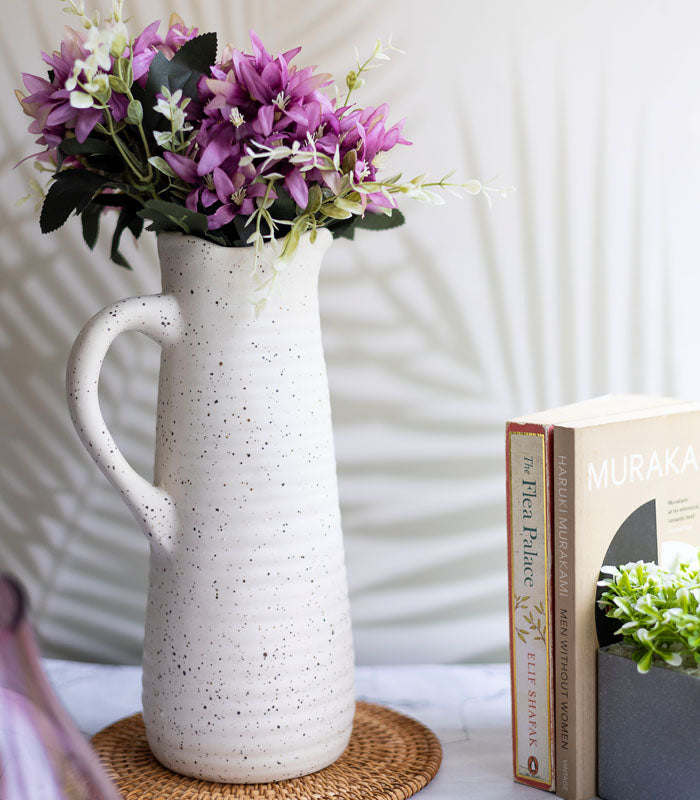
142, 133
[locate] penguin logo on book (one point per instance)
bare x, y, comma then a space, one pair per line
533, 765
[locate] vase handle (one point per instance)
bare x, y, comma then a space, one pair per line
159, 317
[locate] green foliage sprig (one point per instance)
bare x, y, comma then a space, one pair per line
659, 610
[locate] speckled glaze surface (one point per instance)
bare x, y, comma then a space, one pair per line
248, 658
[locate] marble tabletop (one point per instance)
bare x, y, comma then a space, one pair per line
468, 707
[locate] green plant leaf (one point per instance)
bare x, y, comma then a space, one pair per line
332, 210
182, 71
92, 146
90, 219
162, 166
370, 222
644, 663
242, 227
71, 191
284, 206
123, 222
135, 225
381, 222
343, 229
166, 216
119, 200
197, 55
119, 259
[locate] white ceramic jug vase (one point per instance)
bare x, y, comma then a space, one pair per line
248, 656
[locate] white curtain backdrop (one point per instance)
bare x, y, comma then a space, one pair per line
584, 282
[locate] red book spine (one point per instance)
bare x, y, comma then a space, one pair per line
529, 518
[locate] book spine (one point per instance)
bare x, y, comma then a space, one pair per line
564, 616
528, 485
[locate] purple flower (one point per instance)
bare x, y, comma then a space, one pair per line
235, 196
148, 43
178, 33
266, 100
48, 102
146, 46
262, 98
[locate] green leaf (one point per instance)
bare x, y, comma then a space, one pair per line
134, 112
381, 222
644, 663
332, 210
92, 146
371, 222
243, 228
349, 205
118, 201
162, 166
122, 223
91, 224
284, 207
182, 71
118, 84
71, 191
135, 225
343, 229
198, 55
119, 259
315, 199
166, 216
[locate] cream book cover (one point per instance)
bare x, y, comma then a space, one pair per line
636, 473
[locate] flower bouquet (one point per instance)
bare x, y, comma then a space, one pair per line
241, 150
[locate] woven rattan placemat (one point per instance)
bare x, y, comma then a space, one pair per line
390, 757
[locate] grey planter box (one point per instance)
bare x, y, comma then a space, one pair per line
648, 732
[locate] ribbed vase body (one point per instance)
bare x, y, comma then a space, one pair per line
248, 656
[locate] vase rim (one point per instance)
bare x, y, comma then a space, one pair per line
242, 265
322, 233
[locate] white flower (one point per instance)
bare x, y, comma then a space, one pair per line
178, 119
77, 8
117, 10
172, 107
163, 138
99, 43
89, 67
81, 100
120, 39
98, 85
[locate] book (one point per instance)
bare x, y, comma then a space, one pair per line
530, 559
632, 474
